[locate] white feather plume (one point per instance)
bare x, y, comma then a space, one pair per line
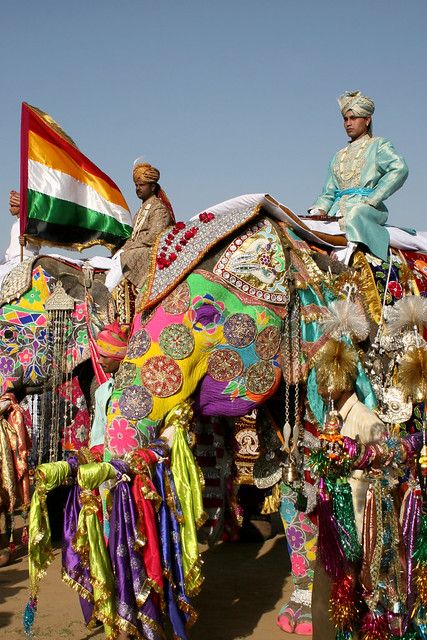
345, 317
408, 312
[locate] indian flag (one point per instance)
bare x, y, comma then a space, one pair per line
65, 199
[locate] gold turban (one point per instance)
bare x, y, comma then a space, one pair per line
146, 173
362, 106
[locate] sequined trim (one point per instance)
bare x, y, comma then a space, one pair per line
178, 301
139, 344
177, 341
260, 377
125, 376
239, 330
162, 376
224, 365
267, 344
135, 402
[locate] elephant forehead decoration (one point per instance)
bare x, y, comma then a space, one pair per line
255, 264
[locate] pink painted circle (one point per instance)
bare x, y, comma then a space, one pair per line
267, 343
178, 300
260, 377
161, 376
224, 365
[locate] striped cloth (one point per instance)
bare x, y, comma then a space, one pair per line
65, 199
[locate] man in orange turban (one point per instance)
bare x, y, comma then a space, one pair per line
154, 216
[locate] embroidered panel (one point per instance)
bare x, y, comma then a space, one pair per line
255, 263
161, 375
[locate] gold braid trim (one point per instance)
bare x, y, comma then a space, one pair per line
142, 596
75, 246
104, 596
76, 586
188, 610
85, 456
128, 628
149, 585
170, 501
367, 286
42, 573
195, 576
375, 567
201, 520
90, 504
312, 313
152, 624
140, 541
149, 494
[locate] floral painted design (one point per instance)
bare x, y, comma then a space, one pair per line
295, 537
287, 510
6, 365
122, 436
78, 314
299, 564
25, 356
395, 289
206, 313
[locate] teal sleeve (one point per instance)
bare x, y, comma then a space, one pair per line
394, 170
327, 197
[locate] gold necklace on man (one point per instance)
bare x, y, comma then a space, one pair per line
350, 162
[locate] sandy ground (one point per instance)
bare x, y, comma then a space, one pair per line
245, 585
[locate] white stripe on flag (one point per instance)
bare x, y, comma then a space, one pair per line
57, 184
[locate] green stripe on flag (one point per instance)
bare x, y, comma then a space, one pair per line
62, 212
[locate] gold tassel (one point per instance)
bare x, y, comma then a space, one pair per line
336, 366
272, 502
412, 374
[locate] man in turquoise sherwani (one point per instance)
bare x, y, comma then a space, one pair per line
361, 176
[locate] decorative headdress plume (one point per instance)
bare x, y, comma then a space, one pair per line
345, 318
408, 313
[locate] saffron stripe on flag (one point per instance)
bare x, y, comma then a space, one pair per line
48, 209
49, 155
37, 125
61, 185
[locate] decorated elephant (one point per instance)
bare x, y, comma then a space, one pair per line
223, 321
231, 309
230, 320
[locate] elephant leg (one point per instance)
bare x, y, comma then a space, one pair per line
301, 537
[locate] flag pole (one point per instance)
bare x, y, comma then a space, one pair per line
22, 242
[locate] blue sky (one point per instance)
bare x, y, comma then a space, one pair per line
224, 97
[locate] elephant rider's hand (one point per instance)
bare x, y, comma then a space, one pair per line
318, 214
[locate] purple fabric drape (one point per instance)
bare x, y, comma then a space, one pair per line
134, 602
178, 604
76, 573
